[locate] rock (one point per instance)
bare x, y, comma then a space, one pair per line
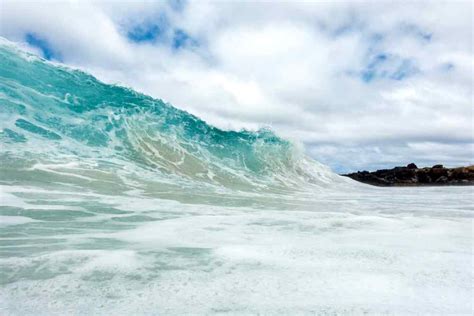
442, 179
412, 175
436, 173
423, 176
405, 174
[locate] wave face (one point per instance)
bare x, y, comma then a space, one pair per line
112, 202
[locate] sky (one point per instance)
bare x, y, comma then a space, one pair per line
362, 85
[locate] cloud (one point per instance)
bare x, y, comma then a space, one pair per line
361, 84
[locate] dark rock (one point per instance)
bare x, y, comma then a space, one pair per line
436, 173
405, 174
412, 175
423, 176
442, 179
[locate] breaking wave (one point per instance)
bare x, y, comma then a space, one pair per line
67, 126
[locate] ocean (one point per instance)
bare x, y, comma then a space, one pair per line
116, 203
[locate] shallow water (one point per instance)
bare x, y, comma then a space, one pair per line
395, 251
112, 202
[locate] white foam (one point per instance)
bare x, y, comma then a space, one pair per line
14, 220
368, 251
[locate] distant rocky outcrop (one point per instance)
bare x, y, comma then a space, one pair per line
411, 175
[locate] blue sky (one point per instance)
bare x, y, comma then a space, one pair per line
42, 45
362, 85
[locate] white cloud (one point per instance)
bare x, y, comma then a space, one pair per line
296, 67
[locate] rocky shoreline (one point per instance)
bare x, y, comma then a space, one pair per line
411, 175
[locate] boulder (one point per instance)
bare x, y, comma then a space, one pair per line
442, 179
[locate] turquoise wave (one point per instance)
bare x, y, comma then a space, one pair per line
52, 114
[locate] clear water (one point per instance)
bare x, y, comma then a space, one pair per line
112, 202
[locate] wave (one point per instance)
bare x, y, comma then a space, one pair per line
62, 125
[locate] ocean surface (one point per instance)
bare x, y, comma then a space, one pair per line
116, 203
